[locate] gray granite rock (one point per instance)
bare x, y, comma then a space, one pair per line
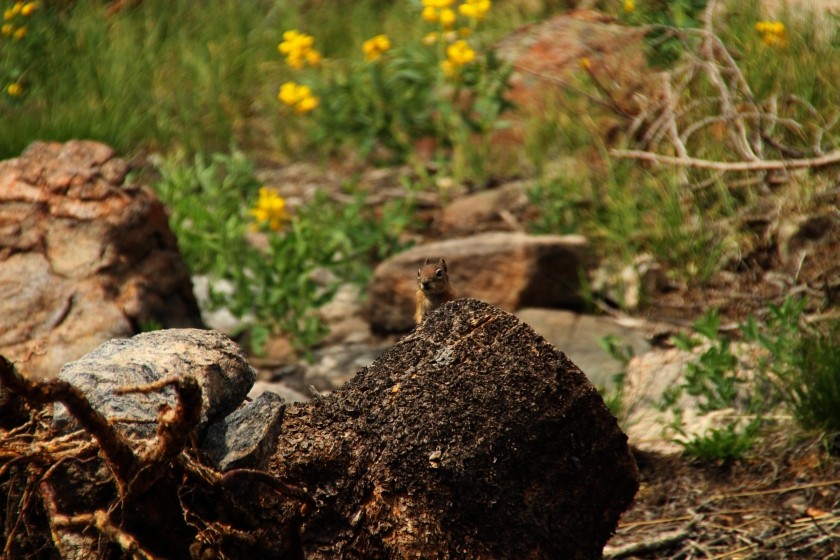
214, 360
289, 394
247, 437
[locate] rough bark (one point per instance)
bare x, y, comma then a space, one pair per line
472, 437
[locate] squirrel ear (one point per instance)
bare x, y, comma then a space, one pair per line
442, 264
426, 261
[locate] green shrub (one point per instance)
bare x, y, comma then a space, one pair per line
215, 202
813, 389
444, 88
723, 445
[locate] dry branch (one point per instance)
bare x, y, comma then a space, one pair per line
762, 165
664, 540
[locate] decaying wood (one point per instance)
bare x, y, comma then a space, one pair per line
471, 437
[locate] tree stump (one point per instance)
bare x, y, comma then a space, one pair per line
471, 437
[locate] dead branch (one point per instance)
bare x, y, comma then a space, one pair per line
100, 520
778, 490
830, 158
662, 541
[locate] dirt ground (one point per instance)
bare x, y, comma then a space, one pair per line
782, 503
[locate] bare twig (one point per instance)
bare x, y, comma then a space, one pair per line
778, 490
102, 522
661, 541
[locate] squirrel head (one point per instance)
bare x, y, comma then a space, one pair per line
433, 278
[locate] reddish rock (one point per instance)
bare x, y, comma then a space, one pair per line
84, 257
552, 50
487, 210
573, 51
508, 270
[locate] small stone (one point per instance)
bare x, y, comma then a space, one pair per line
247, 437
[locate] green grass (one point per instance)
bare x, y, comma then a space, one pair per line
163, 75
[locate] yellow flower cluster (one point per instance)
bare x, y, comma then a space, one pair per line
475, 9
297, 96
458, 54
9, 29
375, 46
270, 209
773, 33
298, 49
440, 11
629, 6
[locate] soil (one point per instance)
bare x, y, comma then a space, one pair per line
782, 503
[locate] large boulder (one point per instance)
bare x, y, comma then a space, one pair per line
84, 256
508, 270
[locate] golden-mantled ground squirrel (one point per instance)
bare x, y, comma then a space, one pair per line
432, 289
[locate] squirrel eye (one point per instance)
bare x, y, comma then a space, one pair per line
439, 273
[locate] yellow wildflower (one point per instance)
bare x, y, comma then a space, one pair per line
8, 14
28, 8
14, 90
20, 33
17, 8
270, 209
431, 38
298, 49
447, 18
585, 63
7, 29
438, 3
298, 97
475, 9
629, 6
773, 33
460, 53
313, 58
429, 14
375, 46
308, 103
